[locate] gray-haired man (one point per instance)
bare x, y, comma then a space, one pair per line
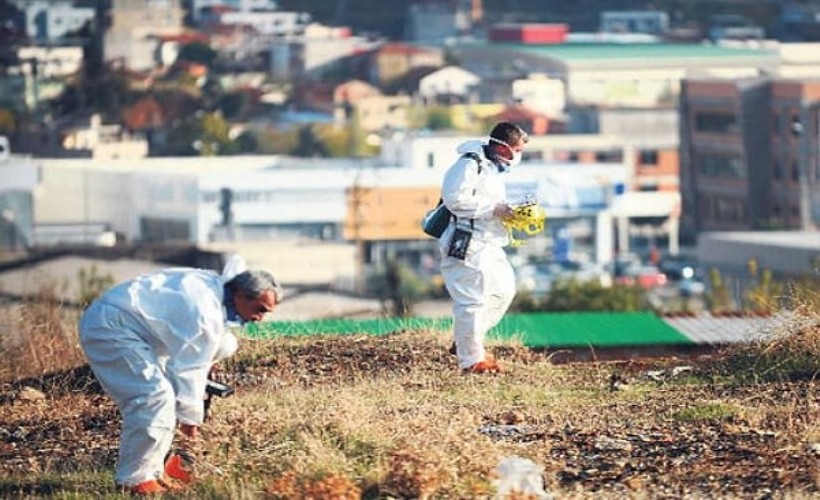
151, 343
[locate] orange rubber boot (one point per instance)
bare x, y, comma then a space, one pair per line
150, 487
487, 365
176, 468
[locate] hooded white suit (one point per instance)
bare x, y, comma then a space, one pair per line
151, 343
482, 285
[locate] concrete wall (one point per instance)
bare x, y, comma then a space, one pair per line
783, 252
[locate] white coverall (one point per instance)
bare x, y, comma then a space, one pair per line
482, 285
151, 343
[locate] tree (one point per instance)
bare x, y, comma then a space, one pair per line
309, 143
197, 52
8, 122
204, 134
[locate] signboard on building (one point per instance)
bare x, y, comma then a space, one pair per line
387, 213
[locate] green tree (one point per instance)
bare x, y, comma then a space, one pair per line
276, 142
8, 122
247, 142
439, 118
104, 90
204, 134
197, 52
310, 144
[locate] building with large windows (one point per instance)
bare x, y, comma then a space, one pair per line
749, 154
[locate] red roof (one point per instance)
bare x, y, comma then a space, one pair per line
188, 37
402, 49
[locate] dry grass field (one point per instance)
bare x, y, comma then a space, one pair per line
392, 417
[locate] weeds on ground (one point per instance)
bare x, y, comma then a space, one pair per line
40, 337
364, 417
790, 353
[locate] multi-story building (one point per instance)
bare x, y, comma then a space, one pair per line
201, 7
52, 20
610, 75
318, 50
650, 22
136, 28
749, 154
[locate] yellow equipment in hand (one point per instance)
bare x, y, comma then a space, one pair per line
528, 218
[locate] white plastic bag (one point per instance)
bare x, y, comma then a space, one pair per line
517, 475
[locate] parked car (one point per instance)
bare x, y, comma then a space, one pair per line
689, 287
539, 278
644, 276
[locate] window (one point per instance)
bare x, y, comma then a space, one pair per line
431, 160
795, 172
723, 167
777, 171
609, 157
721, 123
729, 210
648, 157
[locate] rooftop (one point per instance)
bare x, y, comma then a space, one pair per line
580, 53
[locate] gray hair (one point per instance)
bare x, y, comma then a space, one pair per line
254, 283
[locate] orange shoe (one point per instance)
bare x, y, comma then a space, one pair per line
173, 485
176, 468
487, 365
150, 487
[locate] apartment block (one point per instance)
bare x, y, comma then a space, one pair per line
749, 154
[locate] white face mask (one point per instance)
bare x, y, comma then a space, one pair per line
504, 163
516, 159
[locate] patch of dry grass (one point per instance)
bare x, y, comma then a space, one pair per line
790, 353
38, 336
393, 417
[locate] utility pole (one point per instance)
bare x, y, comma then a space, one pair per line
807, 129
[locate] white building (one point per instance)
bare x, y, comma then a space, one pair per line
634, 21
105, 142
449, 81
51, 62
268, 23
198, 6
51, 20
542, 94
18, 182
137, 27
316, 50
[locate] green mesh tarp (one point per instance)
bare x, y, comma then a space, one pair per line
599, 329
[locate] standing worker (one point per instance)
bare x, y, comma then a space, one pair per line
475, 267
151, 343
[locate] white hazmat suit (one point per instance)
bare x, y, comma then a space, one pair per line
482, 285
151, 342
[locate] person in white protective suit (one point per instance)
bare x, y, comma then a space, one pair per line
476, 271
151, 343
